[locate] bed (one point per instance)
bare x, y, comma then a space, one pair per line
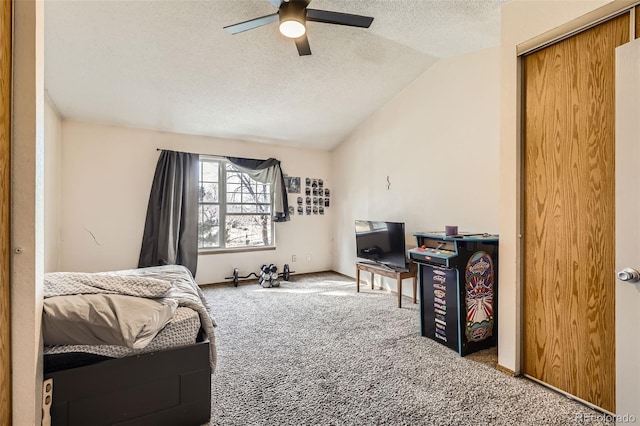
130, 347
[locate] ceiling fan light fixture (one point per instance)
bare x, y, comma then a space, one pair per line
292, 19
293, 15
292, 28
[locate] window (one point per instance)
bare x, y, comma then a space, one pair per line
363, 226
235, 210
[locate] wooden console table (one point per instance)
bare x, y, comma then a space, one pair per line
398, 275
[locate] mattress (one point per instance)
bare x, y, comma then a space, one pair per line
183, 329
191, 323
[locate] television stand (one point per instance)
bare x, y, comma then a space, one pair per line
389, 273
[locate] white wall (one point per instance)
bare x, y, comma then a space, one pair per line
521, 21
437, 141
52, 157
106, 178
27, 210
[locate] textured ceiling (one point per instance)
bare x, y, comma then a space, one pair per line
169, 65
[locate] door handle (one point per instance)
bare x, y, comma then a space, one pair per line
629, 274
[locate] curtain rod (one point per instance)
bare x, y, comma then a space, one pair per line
222, 157
164, 149
186, 152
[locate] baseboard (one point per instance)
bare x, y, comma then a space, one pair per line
230, 283
255, 280
367, 286
343, 275
506, 370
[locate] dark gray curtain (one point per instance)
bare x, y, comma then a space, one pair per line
267, 171
171, 229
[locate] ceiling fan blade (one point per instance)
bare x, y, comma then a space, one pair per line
251, 23
302, 43
276, 3
339, 18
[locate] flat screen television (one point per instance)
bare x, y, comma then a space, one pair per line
382, 243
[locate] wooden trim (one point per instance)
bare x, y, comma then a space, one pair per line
506, 370
255, 281
637, 19
576, 26
5, 191
335, 272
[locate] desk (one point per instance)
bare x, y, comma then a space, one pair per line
398, 275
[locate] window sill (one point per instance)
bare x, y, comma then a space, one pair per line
204, 252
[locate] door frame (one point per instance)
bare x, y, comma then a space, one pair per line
627, 294
521, 23
591, 19
583, 304
27, 210
5, 202
512, 152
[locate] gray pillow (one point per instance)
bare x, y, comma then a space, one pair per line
104, 319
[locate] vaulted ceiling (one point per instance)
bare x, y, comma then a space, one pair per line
170, 66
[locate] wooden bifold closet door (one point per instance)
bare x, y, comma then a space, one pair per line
568, 202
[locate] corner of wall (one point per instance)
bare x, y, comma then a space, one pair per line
27, 208
52, 184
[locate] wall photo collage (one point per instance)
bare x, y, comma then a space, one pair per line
316, 197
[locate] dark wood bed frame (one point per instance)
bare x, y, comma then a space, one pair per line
170, 387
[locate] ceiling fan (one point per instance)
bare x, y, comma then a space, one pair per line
293, 15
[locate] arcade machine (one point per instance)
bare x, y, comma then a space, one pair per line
458, 278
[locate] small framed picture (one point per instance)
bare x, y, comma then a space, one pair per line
293, 184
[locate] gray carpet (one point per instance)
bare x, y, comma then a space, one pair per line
315, 352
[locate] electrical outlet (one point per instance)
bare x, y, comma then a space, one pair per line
308, 257
293, 258
47, 394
